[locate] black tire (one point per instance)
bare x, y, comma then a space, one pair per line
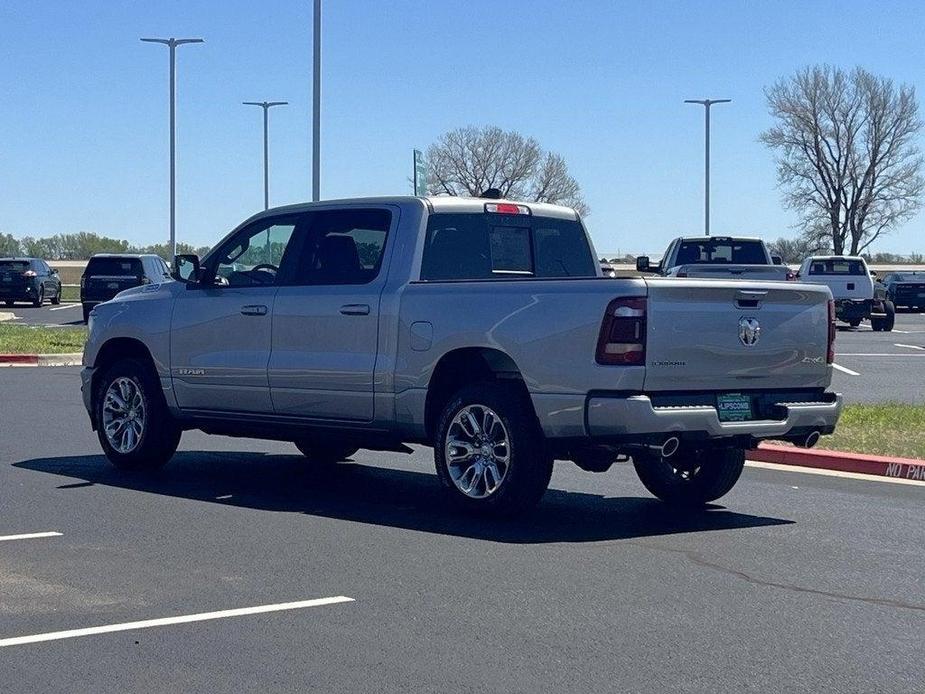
86, 310
854, 323
325, 454
528, 467
40, 299
690, 479
887, 323
160, 434
57, 298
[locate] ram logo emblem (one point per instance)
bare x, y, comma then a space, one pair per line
749, 331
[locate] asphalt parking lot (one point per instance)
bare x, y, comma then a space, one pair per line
796, 582
63, 314
882, 367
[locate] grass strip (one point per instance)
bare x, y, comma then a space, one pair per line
892, 429
26, 339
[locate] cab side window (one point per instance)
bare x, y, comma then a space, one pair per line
252, 257
343, 247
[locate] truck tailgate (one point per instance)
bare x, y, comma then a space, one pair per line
710, 335
737, 272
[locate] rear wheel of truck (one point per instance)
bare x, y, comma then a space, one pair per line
690, 478
886, 323
490, 454
133, 423
325, 453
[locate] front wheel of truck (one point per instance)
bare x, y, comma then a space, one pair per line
690, 478
489, 452
133, 424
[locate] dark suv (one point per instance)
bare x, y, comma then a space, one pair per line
28, 279
107, 274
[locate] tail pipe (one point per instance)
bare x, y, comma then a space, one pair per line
667, 448
811, 440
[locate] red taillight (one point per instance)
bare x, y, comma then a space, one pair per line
506, 208
830, 353
29, 273
623, 333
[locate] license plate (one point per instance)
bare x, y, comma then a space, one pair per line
7, 279
112, 285
922, 295
733, 407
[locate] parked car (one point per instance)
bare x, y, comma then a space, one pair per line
718, 256
107, 274
28, 279
857, 296
480, 327
906, 288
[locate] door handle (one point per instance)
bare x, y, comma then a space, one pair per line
254, 310
355, 309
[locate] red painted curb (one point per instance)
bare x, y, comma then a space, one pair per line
19, 359
884, 466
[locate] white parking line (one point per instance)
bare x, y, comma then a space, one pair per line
61, 308
30, 536
881, 354
844, 370
898, 344
165, 621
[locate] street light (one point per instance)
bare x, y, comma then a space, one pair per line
266, 106
172, 43
707, 103
316, 104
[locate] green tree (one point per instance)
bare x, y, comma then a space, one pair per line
9, 246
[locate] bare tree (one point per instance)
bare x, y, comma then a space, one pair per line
468, 161
847, 156
795, 250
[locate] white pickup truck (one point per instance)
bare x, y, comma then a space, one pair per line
730, 257
480, 327
857, 296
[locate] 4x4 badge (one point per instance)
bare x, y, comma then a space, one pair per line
749, 331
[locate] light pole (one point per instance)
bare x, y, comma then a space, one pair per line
706, 103
316, 104
266, 106
172, 43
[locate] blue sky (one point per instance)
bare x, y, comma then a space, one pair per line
83, 109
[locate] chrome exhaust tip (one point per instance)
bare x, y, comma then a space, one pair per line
810, 440
671, 446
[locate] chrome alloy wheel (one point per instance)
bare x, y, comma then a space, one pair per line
477, 451
123, 415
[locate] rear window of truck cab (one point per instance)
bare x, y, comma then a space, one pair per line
736, 252
479, 246
114, 267
837, 267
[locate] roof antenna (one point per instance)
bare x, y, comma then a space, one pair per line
491, 194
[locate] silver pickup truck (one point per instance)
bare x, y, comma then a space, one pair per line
737, 258
480, 327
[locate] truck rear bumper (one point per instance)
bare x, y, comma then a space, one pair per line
635, 415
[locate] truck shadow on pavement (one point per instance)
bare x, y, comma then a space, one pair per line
388, 497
